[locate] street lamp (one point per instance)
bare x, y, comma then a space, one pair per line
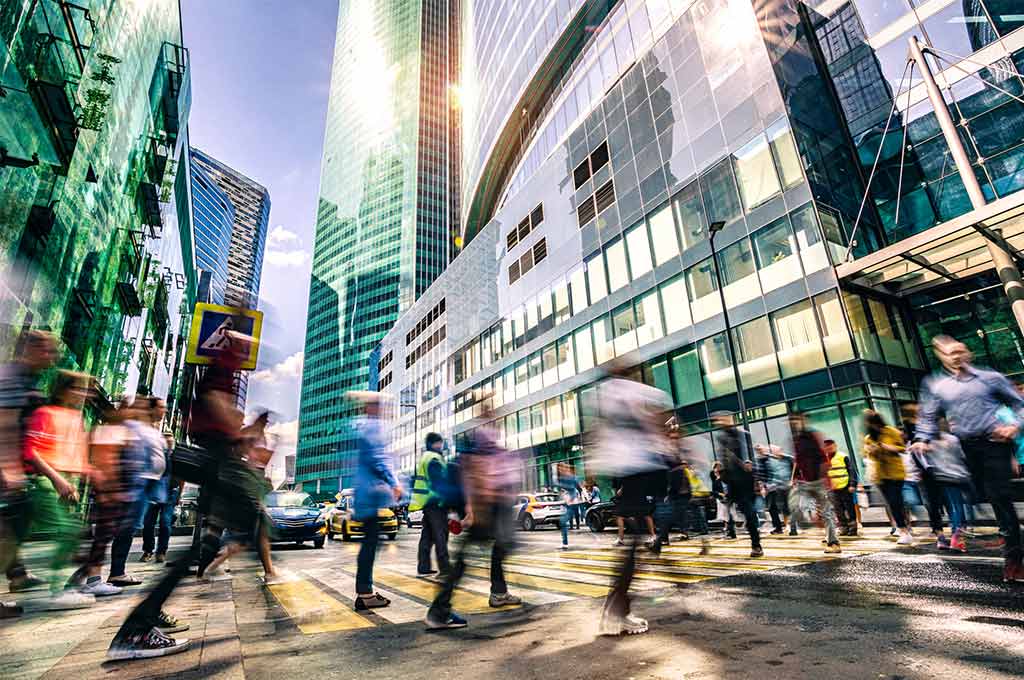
713, 229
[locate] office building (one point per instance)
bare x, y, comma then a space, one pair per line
214, 218
708, 190
387, 218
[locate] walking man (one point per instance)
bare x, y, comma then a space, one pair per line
738, 474
971, 398
428, 495
811, 475
778, 473
842, 475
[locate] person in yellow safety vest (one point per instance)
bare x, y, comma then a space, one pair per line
427, 495
842, 476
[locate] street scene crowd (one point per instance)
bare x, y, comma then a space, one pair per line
89, 488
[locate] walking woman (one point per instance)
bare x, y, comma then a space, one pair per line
375, 488
884, 445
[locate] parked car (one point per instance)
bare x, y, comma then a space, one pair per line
340, 521
601, 515
413, 518
294, 517
534, 509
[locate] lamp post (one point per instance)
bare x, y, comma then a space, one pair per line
713, 230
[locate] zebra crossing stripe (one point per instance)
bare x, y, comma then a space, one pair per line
315, 611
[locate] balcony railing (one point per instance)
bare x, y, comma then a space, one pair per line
148, 198
170, 91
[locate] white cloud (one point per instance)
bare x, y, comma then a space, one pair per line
285, 258
281, 235
286, 434
288, 369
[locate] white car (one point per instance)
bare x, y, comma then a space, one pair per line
413, 518
533, 509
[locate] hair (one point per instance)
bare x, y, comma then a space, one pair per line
829, 441
874, 418
65, 381
433, 438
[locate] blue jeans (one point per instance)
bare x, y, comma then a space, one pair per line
157, 527
954, 505
136, 517
564, 522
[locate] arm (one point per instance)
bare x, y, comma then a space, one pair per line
927, 414
64, 489
851, 470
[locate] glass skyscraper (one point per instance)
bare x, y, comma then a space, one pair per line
387, 218
213, 218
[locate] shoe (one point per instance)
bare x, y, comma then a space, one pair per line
852, 533
124, 580
10, 610
775, 532
167, 624
26, 582
614, 625
730, 537
146, 557
504, 600
97, 587
792, 531
564, 547
968, 533
682, 537
833, 549
892, 531
957, 543
145, 646
757, 552
618, 543
705, 546
1013, 572
905, 539
453, 620
69, 599
655, 547
375, 601
941, 542
160, 557
428, 572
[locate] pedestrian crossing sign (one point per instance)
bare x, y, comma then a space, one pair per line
214, 326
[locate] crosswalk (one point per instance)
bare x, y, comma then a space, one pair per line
318, 600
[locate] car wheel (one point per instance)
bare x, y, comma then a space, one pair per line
330, 535
595, 523
345, 536
299, 542
318, 542
529, 524
393, 536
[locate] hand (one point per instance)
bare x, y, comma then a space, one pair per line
748, 466
467, 521
397, 492
65, 490
920, 447
1005, 433
1014, 468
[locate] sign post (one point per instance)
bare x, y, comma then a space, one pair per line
212, 330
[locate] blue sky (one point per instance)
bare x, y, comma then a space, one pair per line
260, 82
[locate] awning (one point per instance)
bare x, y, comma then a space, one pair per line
953, 250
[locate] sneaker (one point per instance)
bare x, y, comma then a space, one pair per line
26, 582
565, 547
504, 600
905, 539
124, 580
10, 610
618, 543
425, 574
682, 537
375, 601
756, 552
730, 537
792, 531
705, 546
941, 542
96, 587
614, 625
453, 620
968, 533
775, 532
146, 557
160, 557
167, 624
833, 549
69, 599
892, 531
957, 543
145, 646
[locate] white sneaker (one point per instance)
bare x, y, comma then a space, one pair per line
906, 539
99, 588
69, 599
146, 646
613, 625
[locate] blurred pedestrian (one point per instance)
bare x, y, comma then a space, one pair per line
971, 398
778, 475
884, 445
156, 529
949, 467
812, 484
568, 486
375, 488
430, 495
677, 494
489, 475
738, 474
842, 476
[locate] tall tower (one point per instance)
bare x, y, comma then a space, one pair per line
388, 211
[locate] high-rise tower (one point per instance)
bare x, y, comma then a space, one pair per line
388, 209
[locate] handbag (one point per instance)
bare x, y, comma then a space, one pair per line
193, 464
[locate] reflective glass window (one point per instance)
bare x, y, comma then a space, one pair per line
690, 216
687, 378
618, 271
549, 365
786, 156
863, 336
1005, 14
717, 368
564, 358
808, 238
553, 419
705, 301
755, 172
562, 312
663, 235
596, 282
756, 353
639, 248
799, 345
719, 192
648, 318
522, 380
877, 14
738, 273
604, 342
570, 415
509, 382
775, 249
578, 289
838, 347
888, 335
675, 304
584, 349
535, 372
960, 28
624, 329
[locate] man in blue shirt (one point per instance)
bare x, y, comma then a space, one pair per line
971, 398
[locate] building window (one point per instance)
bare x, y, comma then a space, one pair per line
867, 343
786, 157
527, 225
578, 289
596, 282
838, 347
564, 358
648, 319
755, 173
624, 329
717, 374
799, 345
738, 273
689, 211
775, 249
604, 340
639, 248
615, 259
604, 197
584, 349
808, 238
585, 170
756, 353
719, 193
675, 304
705, 301
663, 235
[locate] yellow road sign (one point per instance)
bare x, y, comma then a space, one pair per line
213, 327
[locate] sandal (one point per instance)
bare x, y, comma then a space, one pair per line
375, 601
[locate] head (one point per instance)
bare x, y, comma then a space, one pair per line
435, 442
873, 422
70, 389
722, 419
951, 353
716, 469
39, 351
908, 412
830, 447
157, 409
797, 421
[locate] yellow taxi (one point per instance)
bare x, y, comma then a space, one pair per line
341, 523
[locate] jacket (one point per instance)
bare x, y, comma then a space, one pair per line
374, 476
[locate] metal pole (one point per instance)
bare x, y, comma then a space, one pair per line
1005, 267
734, 360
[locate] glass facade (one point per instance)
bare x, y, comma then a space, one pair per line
213, 217
95, 228
385, 220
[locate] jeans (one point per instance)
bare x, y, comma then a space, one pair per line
564, 521
699, 519
954, 501
933, 500
367, 555
846, 511
678, 508
434, 533
746, 507
892, 491
497, 527
136, 517
817, 493
160, 516
989, 464
778, 506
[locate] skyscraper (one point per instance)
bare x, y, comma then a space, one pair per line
388, 209
213, 217
250, 203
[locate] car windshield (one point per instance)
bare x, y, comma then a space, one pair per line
548, 498
280, 499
